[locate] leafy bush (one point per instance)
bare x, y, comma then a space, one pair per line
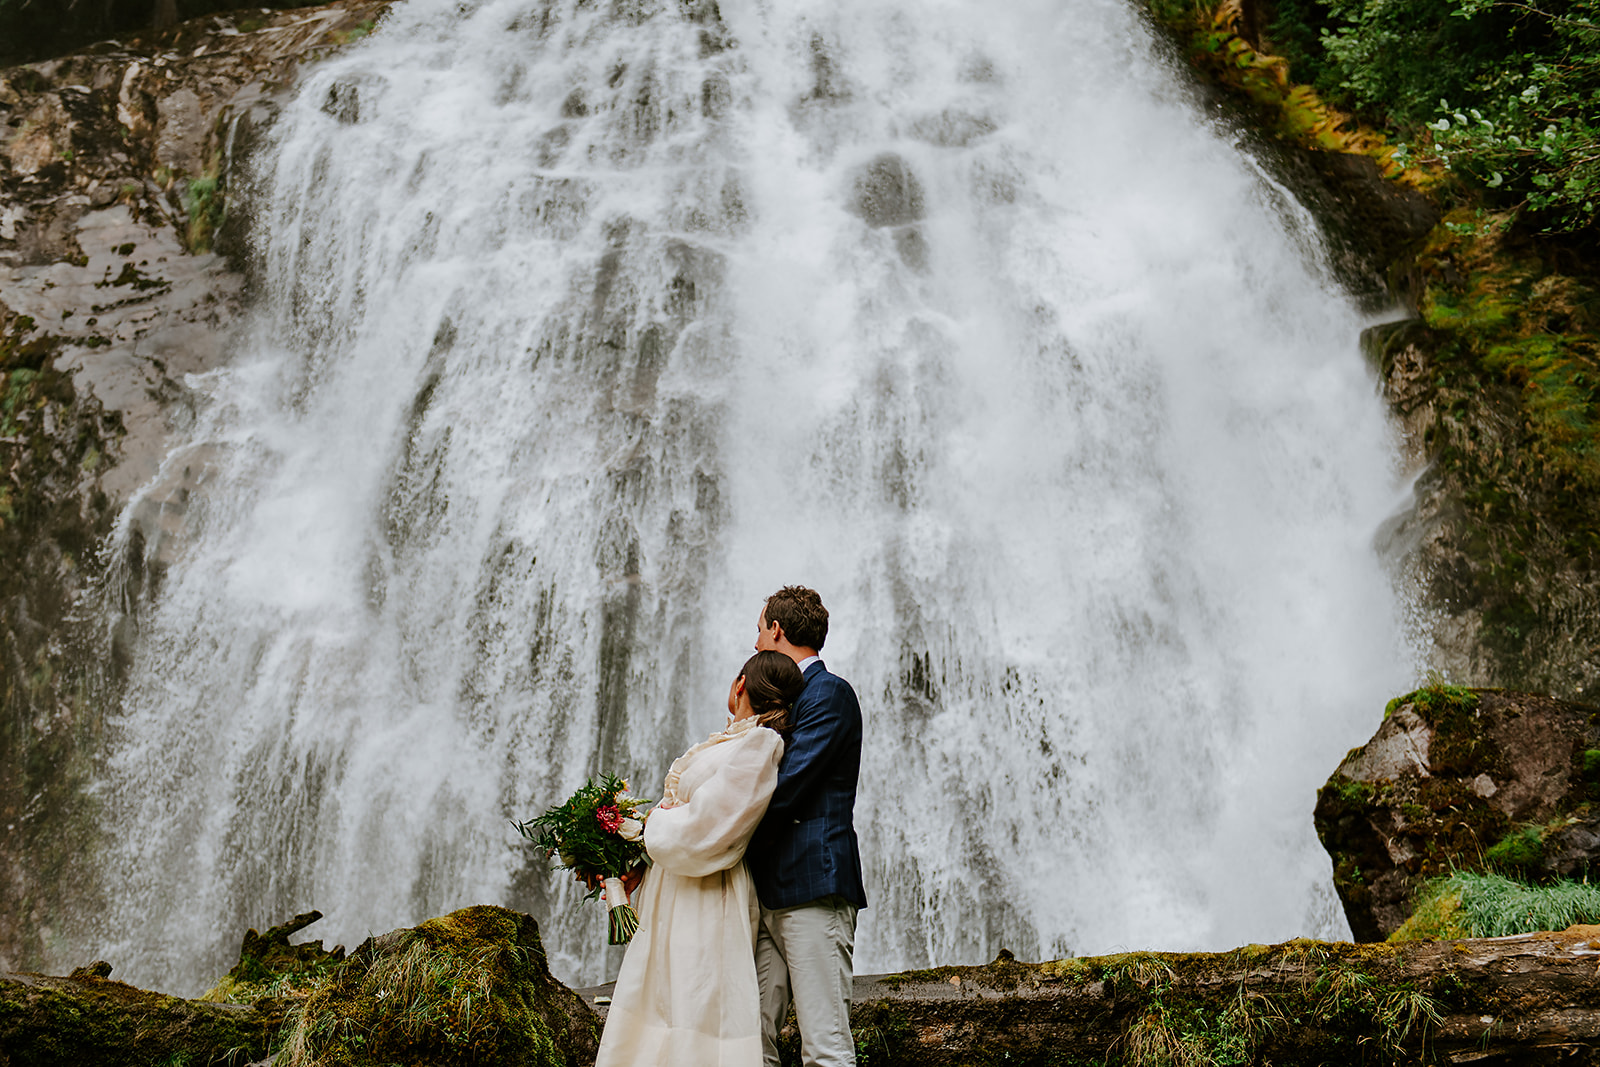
1504, 93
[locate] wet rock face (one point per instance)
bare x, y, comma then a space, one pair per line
887, 195
1493, 387
1459, 779
122, 256
1368, 221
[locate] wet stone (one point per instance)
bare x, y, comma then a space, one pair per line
886, 193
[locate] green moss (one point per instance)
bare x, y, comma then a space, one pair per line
881, 1034
1436, 915
1436, 701
60, 1021
1342, 794
1191, 1008
206, 203
470, 987
1522, 849
135, 279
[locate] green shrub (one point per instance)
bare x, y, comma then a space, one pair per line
1504, 93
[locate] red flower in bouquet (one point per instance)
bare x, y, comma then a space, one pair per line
599, 833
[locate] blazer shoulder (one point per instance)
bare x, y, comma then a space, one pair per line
828, 688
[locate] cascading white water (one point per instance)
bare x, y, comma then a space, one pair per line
588, 323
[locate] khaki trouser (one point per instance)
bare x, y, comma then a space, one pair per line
803, 954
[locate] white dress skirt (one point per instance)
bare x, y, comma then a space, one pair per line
687, 994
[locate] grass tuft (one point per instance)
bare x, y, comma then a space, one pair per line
1491, 905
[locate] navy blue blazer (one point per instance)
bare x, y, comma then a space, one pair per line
805, 848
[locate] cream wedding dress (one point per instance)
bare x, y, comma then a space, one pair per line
687, 993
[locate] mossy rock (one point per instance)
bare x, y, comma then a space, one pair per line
1459, 779
471, 987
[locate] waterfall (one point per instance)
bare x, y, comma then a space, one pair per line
586, 324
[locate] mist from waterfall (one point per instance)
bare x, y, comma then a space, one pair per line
585, 325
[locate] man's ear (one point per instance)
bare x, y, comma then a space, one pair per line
776, 629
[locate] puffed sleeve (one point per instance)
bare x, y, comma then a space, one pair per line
711, 831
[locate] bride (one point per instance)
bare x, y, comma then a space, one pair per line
687, 993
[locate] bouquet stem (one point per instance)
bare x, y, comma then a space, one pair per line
623, 920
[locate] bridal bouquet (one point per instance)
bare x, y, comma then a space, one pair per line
599, 833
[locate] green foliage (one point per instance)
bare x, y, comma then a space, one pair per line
1521, 849
207, 207
1504, 93
584, 830
1491, 905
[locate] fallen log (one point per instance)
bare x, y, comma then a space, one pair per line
89, 1019
1528, 999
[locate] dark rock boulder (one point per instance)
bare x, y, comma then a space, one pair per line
1460, 779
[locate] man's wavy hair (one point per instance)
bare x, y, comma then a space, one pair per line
800, 612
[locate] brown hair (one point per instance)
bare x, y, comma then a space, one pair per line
800, 612
772, 681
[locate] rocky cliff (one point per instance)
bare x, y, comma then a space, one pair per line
1491, 365
123, 270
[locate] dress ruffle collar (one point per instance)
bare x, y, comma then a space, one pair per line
732, 732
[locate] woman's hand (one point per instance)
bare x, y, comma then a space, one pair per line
630, 880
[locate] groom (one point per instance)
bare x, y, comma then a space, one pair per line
804, 859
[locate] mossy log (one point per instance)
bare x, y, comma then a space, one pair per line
89, 1019
1529, 999
269, 965
471, 987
